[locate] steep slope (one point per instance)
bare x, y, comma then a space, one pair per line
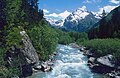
26, 36
108, 27
80, 20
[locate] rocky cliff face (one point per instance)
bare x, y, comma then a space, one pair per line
23, 58
28, 50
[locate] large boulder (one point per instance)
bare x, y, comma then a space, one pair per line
106, 60
103, 64
28, 50
23, 58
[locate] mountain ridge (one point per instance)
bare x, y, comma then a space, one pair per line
76, 20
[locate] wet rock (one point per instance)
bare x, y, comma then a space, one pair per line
88, 53
45, 68
82, 48
114, 74
91, 59
50, 64
36, 68
91, 62
102, 65
106, 60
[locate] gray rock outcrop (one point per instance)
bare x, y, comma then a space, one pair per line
23, 58
28, 50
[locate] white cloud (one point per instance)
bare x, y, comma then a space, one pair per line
115, 1
107, 8
62, 15
45, 11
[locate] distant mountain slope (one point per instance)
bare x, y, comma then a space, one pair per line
108, 27
79, 20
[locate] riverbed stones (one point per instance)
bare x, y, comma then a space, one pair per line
88, 53
106, 60
45, 68
103, 64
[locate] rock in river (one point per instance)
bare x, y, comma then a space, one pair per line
103, 64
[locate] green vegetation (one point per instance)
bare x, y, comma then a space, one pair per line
63, 37
108, 27
23, 15
13, 38
4, 71
44, 39
70, 37
103, 47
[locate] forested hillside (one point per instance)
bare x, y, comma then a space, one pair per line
108, 27
105, 36
19, 17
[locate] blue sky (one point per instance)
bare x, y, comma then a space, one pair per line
56, 7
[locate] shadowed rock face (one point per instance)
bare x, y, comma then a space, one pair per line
23, 58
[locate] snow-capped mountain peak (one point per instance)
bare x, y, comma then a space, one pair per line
77, 17
78, 14
80, 20
54, 22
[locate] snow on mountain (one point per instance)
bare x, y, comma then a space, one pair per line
81, 13
78, 14
98, 15
81, 20
78, 20
53, 22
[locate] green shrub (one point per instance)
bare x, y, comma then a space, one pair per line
14, 38
44, 39
104, 46
2, 53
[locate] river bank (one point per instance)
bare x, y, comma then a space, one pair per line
45, 66
103, 65
69, 63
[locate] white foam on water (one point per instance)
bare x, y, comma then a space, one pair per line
71, 64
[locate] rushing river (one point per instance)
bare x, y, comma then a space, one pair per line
69, 63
